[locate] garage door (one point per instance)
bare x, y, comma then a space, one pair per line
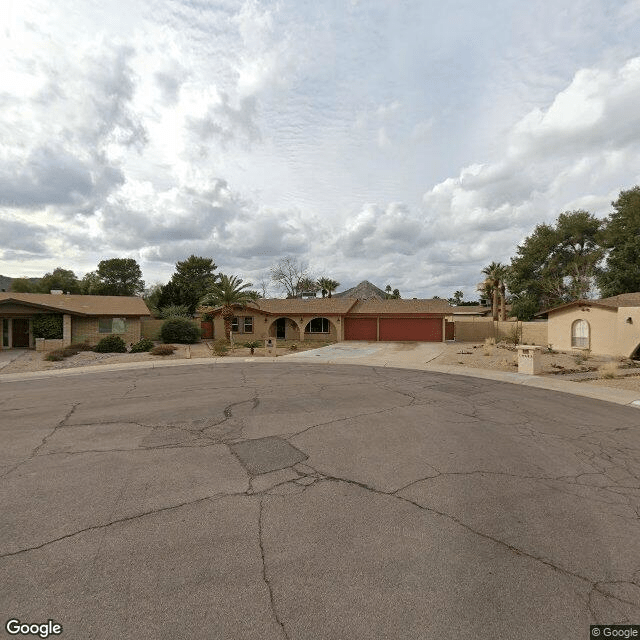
422, 329
360, 329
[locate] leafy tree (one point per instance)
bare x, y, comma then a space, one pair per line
23, 285
151, 296
225, 293
192, 279
621, 238
327, 286
114, 277
457, 298
308, 284
175, 311
391, 295
62, 279
495, 286
288, 274
555, 264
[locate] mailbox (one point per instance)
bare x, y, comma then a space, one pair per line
529, 359
270, 346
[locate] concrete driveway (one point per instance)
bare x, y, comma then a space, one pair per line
294, 501
385, 354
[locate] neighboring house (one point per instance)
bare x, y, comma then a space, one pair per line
470, 311
609, 326
336, 319
84, 318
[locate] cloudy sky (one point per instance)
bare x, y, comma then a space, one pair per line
408, 142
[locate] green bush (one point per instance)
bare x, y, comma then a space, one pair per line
175, 311
254, 344
181, 330
143, 345
47, 326
162, 350
111, 344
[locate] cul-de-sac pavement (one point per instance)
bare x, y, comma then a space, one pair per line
314, 501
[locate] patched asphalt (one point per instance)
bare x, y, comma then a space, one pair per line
315, 501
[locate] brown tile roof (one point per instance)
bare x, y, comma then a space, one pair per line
297, 306
469, 310
430, 305
79, 305
622, 300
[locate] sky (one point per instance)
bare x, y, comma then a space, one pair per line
406, 142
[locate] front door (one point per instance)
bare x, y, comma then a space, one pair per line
20, 337
281, 324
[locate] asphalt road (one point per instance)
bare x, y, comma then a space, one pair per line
305, 501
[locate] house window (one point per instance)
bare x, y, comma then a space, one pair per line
248, 324
234, 324
317, 325
580, 334
112, 325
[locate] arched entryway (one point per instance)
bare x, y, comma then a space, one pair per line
284, 328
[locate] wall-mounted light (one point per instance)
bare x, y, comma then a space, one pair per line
629, 320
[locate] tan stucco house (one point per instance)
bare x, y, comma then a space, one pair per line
84, 318
609, 326
336, 319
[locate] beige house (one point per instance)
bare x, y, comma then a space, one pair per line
336, 319
84, 318
609, 326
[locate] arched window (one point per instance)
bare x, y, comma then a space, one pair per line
317, 325
580, 334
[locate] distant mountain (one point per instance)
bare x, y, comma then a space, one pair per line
363, 291
5, 282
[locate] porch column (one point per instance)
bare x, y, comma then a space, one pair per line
66, 330
303, 324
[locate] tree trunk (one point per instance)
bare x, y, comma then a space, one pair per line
494, 301
227, 314
503, 302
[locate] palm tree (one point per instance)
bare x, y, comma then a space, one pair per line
327, 285
225, 293
494, 273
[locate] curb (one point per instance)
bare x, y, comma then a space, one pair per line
606, 394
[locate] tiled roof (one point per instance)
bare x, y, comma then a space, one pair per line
469, 310
430, 305
297, 306
79, 305
622, 300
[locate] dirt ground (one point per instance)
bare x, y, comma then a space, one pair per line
500, 357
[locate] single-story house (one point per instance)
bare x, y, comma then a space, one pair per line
84, 318
608, 326
336, 319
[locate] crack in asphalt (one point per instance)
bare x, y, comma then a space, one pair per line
215, 496
34, 452
265, 576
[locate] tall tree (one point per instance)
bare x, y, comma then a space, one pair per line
555, 264
288, 274
225, 293
327, 286
192, 279
115, 277
457, 298
23, 285
621, 239
494, 273
62, 279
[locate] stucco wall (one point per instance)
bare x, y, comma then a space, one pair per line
478, 329
263, 330
602, 329
87, 330
628, 334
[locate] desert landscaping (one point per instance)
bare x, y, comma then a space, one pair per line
582, 367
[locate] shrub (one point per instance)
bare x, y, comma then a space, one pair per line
47, 325
181, 330
609, 370
293, 347
83, 346
111, 344
515, 335
162, 350
70, 351
220, 348
143, 345
175, 311
55, 355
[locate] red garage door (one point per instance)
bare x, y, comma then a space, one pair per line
360, 329
422, 329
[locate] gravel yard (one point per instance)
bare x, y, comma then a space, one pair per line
501, 357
